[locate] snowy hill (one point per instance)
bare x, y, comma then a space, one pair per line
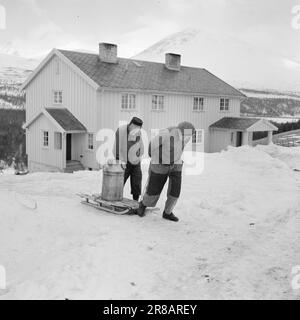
13, 61
238, 61
13, 72
272, 103
238, 235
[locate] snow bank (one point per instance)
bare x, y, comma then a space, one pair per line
291, 156
238, 235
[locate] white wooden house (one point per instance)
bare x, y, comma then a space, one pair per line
71, 95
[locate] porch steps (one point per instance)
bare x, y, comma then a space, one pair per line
73, 165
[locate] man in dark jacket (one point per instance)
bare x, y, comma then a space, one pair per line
129, 148
165, 151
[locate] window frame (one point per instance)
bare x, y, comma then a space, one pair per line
55, 135
57, 94
128, 102
159, 101
224, 107
232, 137
196, 135
47, 139
198, 98
90, 144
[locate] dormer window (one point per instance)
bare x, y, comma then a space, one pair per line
57, 97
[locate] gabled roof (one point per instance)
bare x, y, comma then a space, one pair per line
145, 75
57, 53
66, 119
62, 118
238, 123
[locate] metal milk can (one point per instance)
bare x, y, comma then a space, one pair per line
113, 182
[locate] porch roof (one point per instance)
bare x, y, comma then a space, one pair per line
66, 119
244, 124
62, 118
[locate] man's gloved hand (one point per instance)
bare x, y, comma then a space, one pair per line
111, 161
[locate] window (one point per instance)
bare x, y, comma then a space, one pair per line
90, 141
224, 104
157, 102
197, 137
198, 104
57, 140
46, 139
58, 99
128, 101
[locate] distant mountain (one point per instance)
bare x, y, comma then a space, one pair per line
238, 61
9, 48
274, 103
13, 72
15, 68
270, 103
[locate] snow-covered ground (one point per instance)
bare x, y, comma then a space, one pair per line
238, 235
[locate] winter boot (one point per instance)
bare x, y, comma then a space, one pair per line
141, 209
170, 216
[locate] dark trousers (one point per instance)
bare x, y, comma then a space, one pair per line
158, 176
135, 173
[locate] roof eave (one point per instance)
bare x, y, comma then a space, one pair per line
67, 61
108, 88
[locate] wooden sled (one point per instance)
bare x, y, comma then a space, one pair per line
21, 173
125, 206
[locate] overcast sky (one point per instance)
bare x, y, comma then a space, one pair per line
35, 27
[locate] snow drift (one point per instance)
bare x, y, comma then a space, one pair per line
238, 235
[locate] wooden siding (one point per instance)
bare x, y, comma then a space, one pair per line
102, 109
78, 96
39, 154
260, 126
177, 108
221, 139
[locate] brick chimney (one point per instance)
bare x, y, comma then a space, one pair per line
173, 61
108, 52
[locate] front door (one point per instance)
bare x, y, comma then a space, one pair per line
239, 137
69, 147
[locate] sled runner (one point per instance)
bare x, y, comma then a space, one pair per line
125, 206
21, 173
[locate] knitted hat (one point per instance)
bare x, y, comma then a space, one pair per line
182, 126
137, 121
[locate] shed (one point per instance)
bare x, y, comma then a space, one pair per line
237, 131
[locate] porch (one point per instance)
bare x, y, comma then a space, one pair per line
60, 139
237, 131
